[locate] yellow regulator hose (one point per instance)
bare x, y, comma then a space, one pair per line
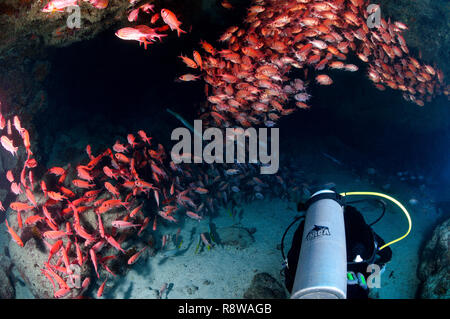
392, 200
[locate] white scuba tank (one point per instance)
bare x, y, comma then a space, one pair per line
322, 266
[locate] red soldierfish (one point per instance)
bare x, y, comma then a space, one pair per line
145, 224
147, 7
19, 206
82, 184
58, 171
17, 125
189, 77
141, 33
136, 210
113, 190
108, 172
100, 226
15, 188
82, 233
33, 219
100, 290
135, 257
131, 140
2, 121
154, 18
99, 4
121, 224
26, 141
79, 254
55, 248
8, 145
94, 260
13, 234
171, 20
114, 243
59, 5
119, 148
52, 234
89, 152
133, 15
194, 215
144, 137
83, 173
56, 196
10, 176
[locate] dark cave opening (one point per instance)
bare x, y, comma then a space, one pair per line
115, 86
382, 127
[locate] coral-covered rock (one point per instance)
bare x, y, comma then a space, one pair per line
24, 21
428, 22
28, 261
434, 269
5, 263
7, 290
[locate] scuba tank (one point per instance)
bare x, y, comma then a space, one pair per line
322, 266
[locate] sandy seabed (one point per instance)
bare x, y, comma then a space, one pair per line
226, 271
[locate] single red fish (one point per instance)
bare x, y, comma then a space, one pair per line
120, 224
100, 290
114, 243
94, 260
171, 20
13, 234
135, 257
52, 234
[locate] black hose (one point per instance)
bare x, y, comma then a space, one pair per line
296, 219
383, 204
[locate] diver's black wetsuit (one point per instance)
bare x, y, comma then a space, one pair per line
360, 241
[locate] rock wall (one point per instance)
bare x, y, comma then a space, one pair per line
428, 22
434, 269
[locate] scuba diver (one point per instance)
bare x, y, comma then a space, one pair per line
334, 251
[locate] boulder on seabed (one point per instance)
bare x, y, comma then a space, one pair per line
264, 286
237, 236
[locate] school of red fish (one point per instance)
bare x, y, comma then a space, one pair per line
145, 34
247, 84
121, 179
61, 5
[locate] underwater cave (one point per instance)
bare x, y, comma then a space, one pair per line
223, 222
